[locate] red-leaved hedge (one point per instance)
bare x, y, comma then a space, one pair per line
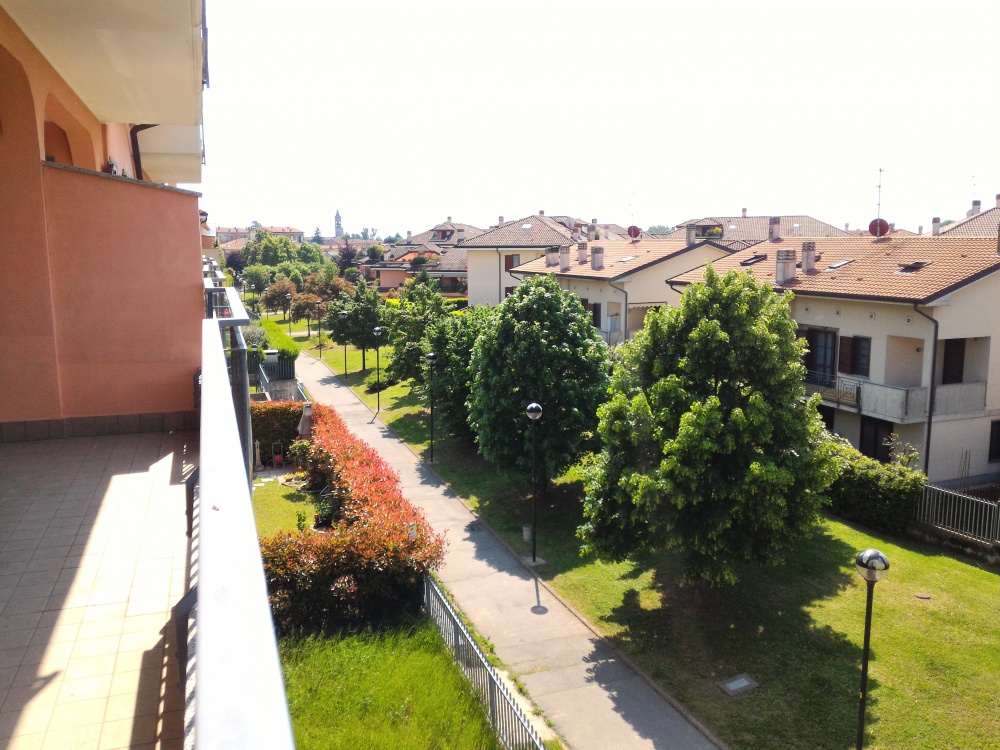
369, 566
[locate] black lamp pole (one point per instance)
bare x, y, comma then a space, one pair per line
288, 311
378, 372
872, 565
319, 327
534, 412
343, 320
431, 357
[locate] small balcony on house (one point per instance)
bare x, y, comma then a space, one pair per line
893, 403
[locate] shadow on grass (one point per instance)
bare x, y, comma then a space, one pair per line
808, 675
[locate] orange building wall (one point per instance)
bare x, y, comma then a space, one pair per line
119, 147
125, 262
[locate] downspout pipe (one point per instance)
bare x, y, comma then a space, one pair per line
625, 316
930, 399
136, 157
499, 276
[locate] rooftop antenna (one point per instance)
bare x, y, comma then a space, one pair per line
879, 226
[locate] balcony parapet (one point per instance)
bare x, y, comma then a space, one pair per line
897, 404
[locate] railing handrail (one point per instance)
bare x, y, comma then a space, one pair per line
510, 723
239, 692
970, 516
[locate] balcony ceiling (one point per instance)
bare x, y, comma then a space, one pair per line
130, 61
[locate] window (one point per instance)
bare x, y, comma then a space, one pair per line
995, 440
953, 366
855, 355
874, 434
509, 261
819, 359
507, 291
596, 310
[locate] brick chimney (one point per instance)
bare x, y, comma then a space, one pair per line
774, 229
920, 229
892, 227
581, 254
786, 265
744, 213
564, 258
936, 226
591, 230
692, 231
597, 258
449, 220
541, 213
998, 200
977, 206
552, 256
501, 222
847, 227
409, 234
808, 256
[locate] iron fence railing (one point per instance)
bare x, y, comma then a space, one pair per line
835, 388
507, 718
972, 517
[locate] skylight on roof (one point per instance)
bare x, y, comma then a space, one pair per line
754, 259
839, 264
526, 226
627, 258
912, 266
732, 226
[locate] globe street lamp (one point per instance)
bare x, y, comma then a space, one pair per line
343, 323
534, 412
265, 301
378, 372
431, 357
873, 566
319, 326
253, 290
288, 311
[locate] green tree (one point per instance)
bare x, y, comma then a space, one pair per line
540, 345
364, 313
310, 253
709, 444
451, 338
660, 229
304, 306
317, 237
257, 276
277, 295
375, 252
421, 306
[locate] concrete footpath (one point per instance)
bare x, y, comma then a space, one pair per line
592, 697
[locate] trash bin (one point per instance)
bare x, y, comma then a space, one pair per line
526, 532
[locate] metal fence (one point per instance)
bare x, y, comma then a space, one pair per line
969, 516
509, 721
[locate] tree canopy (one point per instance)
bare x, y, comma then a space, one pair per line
421, 305
709, 444
660, 229
539, 345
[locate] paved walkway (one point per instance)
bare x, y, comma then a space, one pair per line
593, 698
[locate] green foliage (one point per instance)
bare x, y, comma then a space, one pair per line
709, 445
317, 237
364, 313
347, 256
277, 295
278, 339
408, 321
375, 252
268, 250
540, 345
298, 452
258, 276
311, 253
255, 336
451, 338
275, 422
660, 229
880, 496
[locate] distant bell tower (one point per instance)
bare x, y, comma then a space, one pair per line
339, 232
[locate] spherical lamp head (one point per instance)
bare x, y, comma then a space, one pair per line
872, 565
343, 314
534, 411
430, 357
377, 331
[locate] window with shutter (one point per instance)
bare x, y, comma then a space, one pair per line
845, 361
953, 367
862, 355
508, 262
507, 291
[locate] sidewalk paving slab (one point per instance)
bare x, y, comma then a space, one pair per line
592, 696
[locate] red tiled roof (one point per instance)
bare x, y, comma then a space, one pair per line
985, 224
620, 258
874, 270
745, 230
531, 231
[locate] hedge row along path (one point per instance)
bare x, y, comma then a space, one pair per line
593, 697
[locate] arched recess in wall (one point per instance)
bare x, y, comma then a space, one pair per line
67, 132
18, 129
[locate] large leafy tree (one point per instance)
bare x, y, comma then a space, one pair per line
540, 345
451, 338
420, 305
364, 313
709, 444
278, 295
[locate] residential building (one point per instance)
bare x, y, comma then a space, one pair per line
619, 281
115, 388
740, 232
228, 234
444, 254
901, 336
977, 223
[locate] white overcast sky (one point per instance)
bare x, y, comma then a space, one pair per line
401, 113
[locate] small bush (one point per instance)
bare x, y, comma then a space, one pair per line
275, 422
298, 452
278, 339
255, 336
880, 496
369, 566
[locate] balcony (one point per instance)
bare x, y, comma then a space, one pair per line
895, 404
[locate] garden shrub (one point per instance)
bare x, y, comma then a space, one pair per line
880, 496
275, 422
278, 339
369, 566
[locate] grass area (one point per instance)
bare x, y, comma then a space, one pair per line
934, 678
394, 688
397, 688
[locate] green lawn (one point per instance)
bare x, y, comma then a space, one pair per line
397, 689
934, 678
276, 507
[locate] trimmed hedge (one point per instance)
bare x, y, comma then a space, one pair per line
275, 422
880, 496
370, 565
278, 339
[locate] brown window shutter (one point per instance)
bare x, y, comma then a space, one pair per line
953, 367
846, 363
508, 262
585, 302
507, 291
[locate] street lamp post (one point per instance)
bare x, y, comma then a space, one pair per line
253, 290
265, 303
873, 566
343, 320
288, 311
319, 327
431, 357
378, 372
534, 412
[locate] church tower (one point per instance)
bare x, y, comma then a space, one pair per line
339, 232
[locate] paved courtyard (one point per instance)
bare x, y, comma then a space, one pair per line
93, 555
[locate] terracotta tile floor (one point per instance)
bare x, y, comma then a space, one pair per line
93, 555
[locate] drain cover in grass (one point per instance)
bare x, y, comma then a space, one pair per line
741, 683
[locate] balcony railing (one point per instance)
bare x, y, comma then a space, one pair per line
239, 697
896, 404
